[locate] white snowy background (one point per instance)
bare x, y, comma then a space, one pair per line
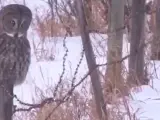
45, 73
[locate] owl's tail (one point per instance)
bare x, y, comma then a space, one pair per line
6, 101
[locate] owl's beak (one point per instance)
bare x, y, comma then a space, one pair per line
16, 35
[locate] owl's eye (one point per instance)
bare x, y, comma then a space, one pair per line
23, 24
13, 22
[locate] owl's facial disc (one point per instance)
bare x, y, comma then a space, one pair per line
16, 25
15, 28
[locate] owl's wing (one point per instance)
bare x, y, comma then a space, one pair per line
6, 88
1, 29
1, 24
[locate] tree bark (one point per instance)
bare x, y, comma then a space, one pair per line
88, 12
114, 79
6, 101
95, 79
51, 6
136, 61
155, 46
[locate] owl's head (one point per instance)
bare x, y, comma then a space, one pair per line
15, 20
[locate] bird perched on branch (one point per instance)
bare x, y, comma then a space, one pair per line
14, 53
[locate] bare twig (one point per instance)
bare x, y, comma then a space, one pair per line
63, 71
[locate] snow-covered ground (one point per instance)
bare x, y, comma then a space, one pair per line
47, 73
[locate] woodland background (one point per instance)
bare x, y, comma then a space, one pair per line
119, 51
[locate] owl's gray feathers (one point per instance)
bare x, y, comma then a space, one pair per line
14, 53
14, 58
14, 50
20, 14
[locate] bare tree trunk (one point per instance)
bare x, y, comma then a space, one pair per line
88, 13
155, 47
24, 2
95, 79
51, 5
127, 15
6, 101
136, 61
114, 79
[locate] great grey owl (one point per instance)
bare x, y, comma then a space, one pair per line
14, 53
